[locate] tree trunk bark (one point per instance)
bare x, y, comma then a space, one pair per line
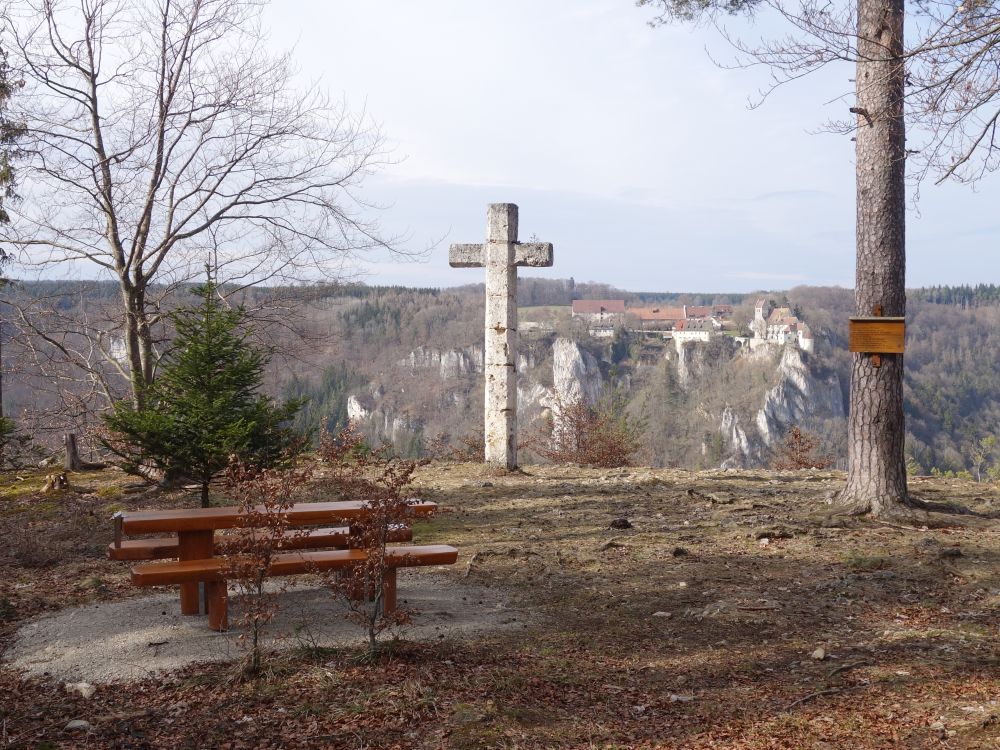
205, 501
2, 446
72, 461
876, 466
138, 342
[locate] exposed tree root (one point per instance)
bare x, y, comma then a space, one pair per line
949, 508
911, 513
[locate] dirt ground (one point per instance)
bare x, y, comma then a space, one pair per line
130, 639
728, 610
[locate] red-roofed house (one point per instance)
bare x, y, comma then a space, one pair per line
598, 307
601, 315
658, 318
694, 329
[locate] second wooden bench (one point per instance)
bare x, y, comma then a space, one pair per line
159, 548
215, 571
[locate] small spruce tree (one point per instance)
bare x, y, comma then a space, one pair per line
205, 407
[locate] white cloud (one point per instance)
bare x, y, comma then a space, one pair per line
628, 147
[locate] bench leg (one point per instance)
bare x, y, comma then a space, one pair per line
190, 599
389, 591
360, 591
193, 545
217, 598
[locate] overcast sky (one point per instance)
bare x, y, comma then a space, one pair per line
623, 145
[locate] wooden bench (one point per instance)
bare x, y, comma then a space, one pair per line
158, 548
213, 572
195, 529
196, 547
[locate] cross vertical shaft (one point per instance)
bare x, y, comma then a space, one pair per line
501, 335
501, 255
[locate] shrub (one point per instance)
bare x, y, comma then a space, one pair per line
602, 435
471, 447
380, 481
263, 495
799, 451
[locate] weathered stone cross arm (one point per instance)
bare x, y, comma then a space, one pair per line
501, 229
537, 254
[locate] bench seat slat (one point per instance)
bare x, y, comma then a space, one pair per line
144, 549
289, 563
231, 516
166, 547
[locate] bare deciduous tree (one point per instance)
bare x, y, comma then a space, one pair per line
954, 93
160, 134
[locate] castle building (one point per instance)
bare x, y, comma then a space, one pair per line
779, 326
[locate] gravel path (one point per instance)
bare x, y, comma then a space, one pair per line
134, 638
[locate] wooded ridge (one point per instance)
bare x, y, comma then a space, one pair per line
407, 363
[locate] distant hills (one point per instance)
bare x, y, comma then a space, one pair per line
363, 342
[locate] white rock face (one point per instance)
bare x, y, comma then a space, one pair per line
761, 349
356, 411
798, 395
735, 436
683, 370
452, 363
378, 423
458, 362
422, 358
533, 397
401, 427
575, 373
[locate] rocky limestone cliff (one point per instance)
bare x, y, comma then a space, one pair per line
381, 426
799, 396
451, 401
746, 398
576, 373
795, 394
735, 436
451, 363
683, 370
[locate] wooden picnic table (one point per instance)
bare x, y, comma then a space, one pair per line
195, 528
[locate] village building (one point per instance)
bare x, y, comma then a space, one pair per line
779, 326
695, 329
716, 312
693, 322
658, 318
668, 318
600, 314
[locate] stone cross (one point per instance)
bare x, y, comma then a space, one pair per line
501, 255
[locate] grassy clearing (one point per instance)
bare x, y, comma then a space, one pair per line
695, 626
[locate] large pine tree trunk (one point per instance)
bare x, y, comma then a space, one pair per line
876, 467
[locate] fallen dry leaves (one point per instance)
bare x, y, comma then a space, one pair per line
699, 627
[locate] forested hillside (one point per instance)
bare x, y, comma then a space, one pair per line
407, 362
